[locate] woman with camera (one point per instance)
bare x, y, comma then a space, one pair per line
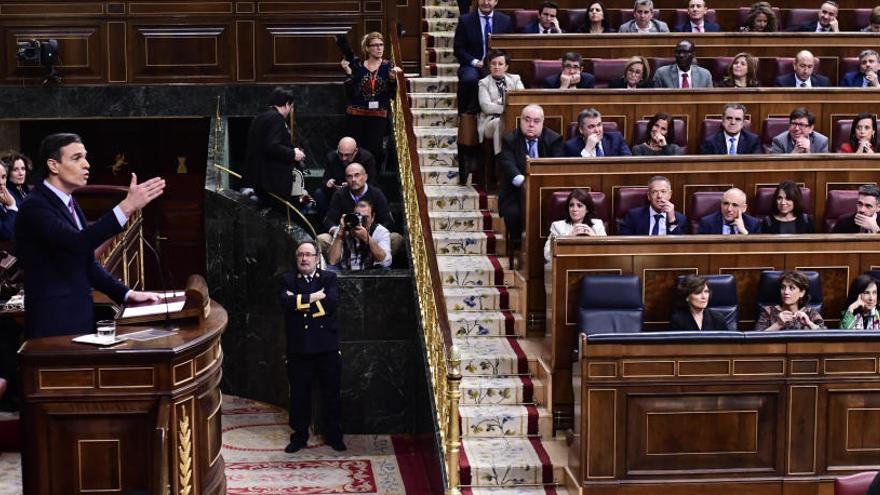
359, 243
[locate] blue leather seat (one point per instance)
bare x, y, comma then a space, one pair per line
768, 290
724, 299
874, 273
610, 304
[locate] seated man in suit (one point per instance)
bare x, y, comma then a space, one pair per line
803, 76
732, 218
572, 75
547, 22
865, 219
683, 73
57, 245
470, 47
866, 77
732, 139
697, 22
826, 21
800, 136
531, 140
593, 141
659, 217
643, 20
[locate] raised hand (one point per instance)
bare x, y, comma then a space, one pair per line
140, 195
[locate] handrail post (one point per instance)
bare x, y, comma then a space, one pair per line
453, 439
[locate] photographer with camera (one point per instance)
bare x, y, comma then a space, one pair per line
359, 242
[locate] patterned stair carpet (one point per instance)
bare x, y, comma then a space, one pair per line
508, 445
254, 437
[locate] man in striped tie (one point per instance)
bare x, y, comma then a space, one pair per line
57, 246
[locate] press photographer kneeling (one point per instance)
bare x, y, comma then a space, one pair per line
359, 243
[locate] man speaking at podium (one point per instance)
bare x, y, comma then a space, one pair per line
57, 247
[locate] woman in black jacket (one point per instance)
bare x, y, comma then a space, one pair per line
691, 310
787, 214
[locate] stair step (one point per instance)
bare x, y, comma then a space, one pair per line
438, 176
486, 323
500, 390
480, 298
498, 356
440, 55
443, 69
429, 100
439, 39
436, 137
446, 158
506, 461
471, 243
505, 421
435, 117
461, 221
455, 198
449, 4
474, 271
439, 25
439, 12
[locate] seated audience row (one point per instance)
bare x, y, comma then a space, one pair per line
659, 217
692, 312
697, 18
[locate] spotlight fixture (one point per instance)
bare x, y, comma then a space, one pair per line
44, 53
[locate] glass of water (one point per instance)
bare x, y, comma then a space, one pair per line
107, 329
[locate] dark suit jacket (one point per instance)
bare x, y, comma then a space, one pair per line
748, 144
587, 81
708, 27
684, 320
846, 225
468, 41
620, 83
308, 330
59, 265
270, 154
512, 160
803, 224
612, 145
712, 224
533, 28
341, 202
334, 169
816, 80
805, 27
7, 223
637, 221
852, 80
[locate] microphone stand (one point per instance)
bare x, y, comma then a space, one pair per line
162, 278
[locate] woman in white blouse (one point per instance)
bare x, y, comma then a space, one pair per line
492, 93
581, 220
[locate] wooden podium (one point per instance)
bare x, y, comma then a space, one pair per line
136, 418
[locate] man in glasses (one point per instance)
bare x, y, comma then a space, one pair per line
309, 298
800, 136
572, 75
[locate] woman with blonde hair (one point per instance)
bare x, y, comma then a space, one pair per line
741, 73
636, 74
761, 19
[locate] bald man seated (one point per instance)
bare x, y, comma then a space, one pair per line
346, 152
803, 75
732, 218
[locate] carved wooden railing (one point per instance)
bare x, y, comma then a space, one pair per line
443, 358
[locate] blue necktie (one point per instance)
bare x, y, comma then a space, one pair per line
656, 229
599, 151
487, 31
533, 148
731, 149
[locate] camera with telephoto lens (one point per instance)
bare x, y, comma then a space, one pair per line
352, 220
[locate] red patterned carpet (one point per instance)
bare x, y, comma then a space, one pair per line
254, 437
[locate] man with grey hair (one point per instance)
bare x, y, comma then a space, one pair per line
803, 76
732, 139
865, 219
592, 140
866, 77
643, 20
732, 218
658, 217
530, 140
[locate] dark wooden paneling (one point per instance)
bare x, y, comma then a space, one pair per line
299, 50
191, 52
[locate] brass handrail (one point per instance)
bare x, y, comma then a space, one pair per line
444, 361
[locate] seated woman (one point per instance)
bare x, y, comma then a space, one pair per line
690, 311
862, 135
861, 309
19, 165
792, 313
597, 19
581, 219
8, 208
636, 74
787, 212
761, 19
741, 73
661, 134
492, 92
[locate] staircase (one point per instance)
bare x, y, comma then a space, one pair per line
507, 431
